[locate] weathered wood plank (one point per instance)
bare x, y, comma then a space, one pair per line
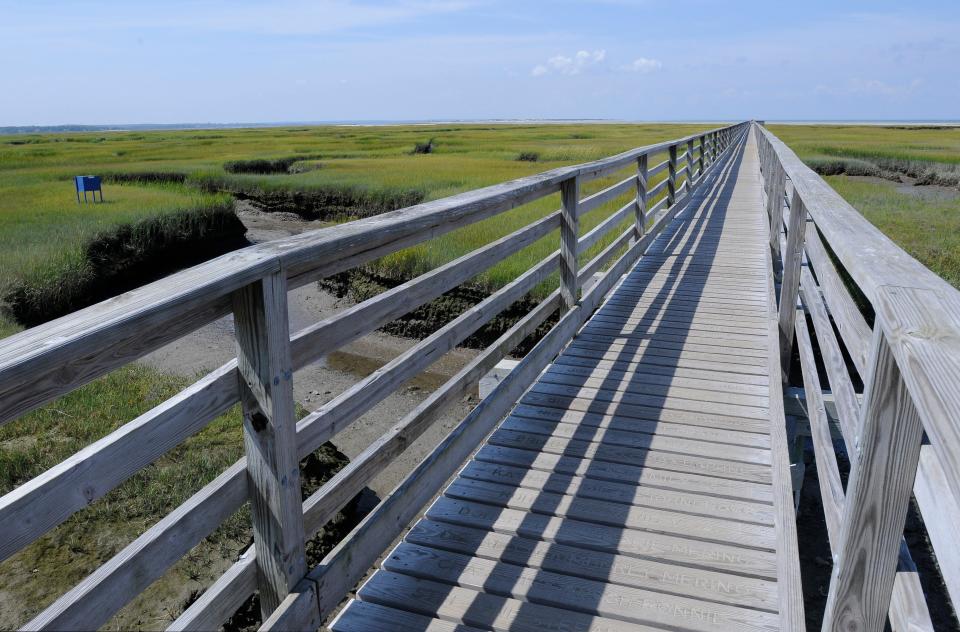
569, 252
593, 536
363, 616
270, 436
609, 567
575, 594
469, 607
878, 492
625, 493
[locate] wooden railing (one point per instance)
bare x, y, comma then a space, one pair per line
41, 364
909, 363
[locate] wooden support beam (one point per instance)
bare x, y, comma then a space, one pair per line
672, 177
703, 154
269, 436
569, 253
641, 208
877, 496
792, 262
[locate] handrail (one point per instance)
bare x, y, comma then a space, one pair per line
910, 367
42, 363
45, 362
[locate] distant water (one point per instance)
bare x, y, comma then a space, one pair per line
46, 129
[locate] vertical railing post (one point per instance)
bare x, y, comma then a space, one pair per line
672, 177
689, 184
269, 436
569, 229
703, 154
640, 212
778, 184
882, 472
792, 260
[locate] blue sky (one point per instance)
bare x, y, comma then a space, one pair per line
294, 60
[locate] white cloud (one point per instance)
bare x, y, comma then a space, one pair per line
643, 65
581, 61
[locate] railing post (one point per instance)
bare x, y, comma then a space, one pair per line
640, 226
703, 152
569, 229
778, 184
882, 472
689, 183
269, 436
672, 177
792, 260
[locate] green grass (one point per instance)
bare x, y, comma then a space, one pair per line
927, 227
350, 172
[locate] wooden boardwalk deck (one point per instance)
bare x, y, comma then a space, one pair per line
636, 485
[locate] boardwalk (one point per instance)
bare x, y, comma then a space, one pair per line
630, 473
631, 487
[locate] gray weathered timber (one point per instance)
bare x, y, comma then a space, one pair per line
641, 206
792, 263
879, 489
569, 254
269, 436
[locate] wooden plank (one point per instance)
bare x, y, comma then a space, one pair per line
672, 176
343, 409
686, 400
575, 594
665, 548
600, 230
322, 505
625, 493
596, 264
640, 209
792, 260
320, 339
599, 198
608, 567
941, 517
850, 322
42, 503
720, 349
623, 472
845, 398
569, 254
632, 439
648, 382
269, 436
616, 515
615, 421
878, 493
619, 454
692, 368
491, 612
91, 603
362, 616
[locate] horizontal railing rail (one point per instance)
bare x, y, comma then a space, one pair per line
41, 364
909, 362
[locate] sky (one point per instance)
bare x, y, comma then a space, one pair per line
202, 61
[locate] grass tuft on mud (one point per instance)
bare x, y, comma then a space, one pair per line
266, 166
122, 258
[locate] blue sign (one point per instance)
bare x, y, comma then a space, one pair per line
88, 183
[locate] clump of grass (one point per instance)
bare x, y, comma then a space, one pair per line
528, 156
843, 166
424, 148
146, 177
122, 258
264, 166
331, 202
